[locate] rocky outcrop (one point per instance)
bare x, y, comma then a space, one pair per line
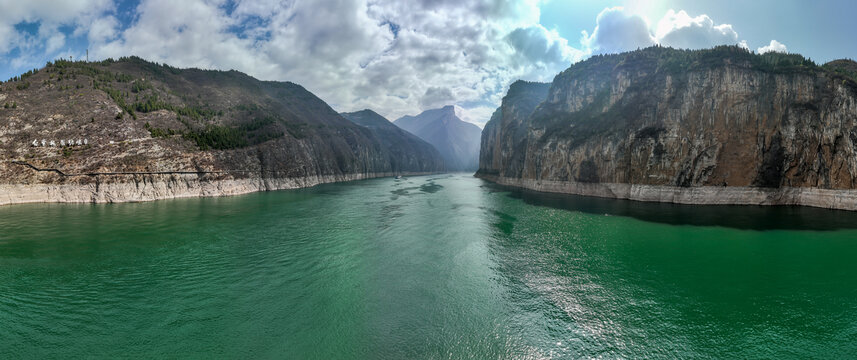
130, 130
505, 134
718, 126
456, 140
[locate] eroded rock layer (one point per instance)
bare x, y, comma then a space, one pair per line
131, 130
711, 126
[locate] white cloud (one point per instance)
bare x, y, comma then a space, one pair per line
437, 97
201, 40
50, 15
46, 17
478, 115
8, 38
774, 46
680, 30
617, 30
55, 42
70, 12
540, 45
103, 29
396, 57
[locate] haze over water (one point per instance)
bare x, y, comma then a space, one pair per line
441, 266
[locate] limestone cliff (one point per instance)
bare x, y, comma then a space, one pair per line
132, 130
719, 126
506, 132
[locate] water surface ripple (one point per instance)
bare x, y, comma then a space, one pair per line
437, 267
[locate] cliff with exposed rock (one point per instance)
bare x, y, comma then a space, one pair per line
131, 130
716, 126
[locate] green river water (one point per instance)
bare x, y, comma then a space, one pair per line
434, 267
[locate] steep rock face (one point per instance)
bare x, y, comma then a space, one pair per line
145, 123
710, 126
504, 136
406, 150
456, 140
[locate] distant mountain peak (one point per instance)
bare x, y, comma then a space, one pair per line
455, 139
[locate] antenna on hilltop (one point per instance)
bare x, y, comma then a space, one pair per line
87, 55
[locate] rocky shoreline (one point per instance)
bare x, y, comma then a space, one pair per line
150, 187
702, 195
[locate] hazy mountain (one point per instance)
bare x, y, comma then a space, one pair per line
456, 140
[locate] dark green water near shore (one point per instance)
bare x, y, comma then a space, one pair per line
428, 267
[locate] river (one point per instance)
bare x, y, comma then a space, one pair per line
444, 266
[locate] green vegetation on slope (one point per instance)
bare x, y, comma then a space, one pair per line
153, 103
649, 67
217, 137
844, 67
137, 96
675, 61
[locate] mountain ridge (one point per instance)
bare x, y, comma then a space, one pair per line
714, 126
396, 140
455, 139
148, 128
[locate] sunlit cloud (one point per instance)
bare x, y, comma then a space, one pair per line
774, 46
397, 58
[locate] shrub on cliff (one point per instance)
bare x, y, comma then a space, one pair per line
217, 137
139, 85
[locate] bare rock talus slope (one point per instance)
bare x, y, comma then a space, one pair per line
717, 126
150, 131
456, 140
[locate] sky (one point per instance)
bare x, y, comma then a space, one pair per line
402, 57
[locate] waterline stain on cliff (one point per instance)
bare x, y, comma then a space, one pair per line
712, 126
761, 218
